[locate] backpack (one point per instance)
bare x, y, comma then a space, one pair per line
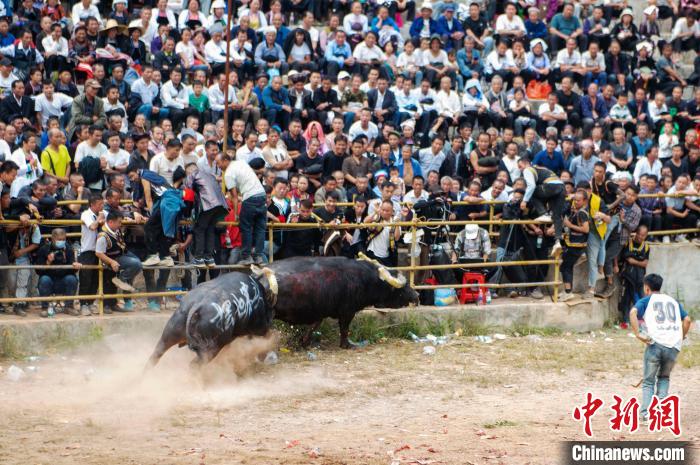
91, 170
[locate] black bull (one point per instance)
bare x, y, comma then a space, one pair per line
301, 290
313, 288
215, 313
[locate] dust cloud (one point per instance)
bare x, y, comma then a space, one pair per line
106, 383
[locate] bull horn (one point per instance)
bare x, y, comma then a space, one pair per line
271, 280
384, 275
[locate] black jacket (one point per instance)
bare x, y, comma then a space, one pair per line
61, 257
10, 109
307, 99
161, 61
389, 102
623, 61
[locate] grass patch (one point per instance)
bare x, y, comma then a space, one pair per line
524, 330
499, 424
61, 340
10, 346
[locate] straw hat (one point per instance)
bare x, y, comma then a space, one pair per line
113, 24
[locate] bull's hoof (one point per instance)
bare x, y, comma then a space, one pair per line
346, 345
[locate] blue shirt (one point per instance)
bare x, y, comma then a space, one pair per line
273, 100
555, 163
642, 303
337, 53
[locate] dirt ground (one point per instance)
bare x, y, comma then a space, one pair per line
508, 402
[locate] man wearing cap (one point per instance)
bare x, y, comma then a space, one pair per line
88, 108
472, 245
7, 76
424, 26
215, 49
449, 28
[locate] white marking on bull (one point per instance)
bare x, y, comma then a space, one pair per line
225, 318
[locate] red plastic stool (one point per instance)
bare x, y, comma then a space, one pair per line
470, 294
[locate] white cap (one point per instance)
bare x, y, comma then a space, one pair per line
471, 231
427, 5
650, 9
343, 75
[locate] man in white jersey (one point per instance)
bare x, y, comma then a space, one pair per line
666, 326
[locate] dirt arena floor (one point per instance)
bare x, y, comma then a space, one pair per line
507, 402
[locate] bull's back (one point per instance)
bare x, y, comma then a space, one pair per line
314, 288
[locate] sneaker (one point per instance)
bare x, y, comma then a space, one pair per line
85, 310
124, 286
681, 238
245, 261
210, 261
566, 296
588, 294
624, 325
199, 263
537, 294
513, 294
19, 310
544, 218
107, 311
666, 240
44, 313
117, 308
129, 305
152, 260
260, 260
556, 249
153, 306
72, 311
167, 261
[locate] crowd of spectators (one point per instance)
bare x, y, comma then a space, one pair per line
564, 111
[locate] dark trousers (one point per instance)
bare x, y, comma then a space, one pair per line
129, 267
205, 236
389, 261
156, 241
65, 285
631, 293
652, 222
88, 278
278, 117
153, 284
569, 259
613, 246
554, 197
671, 222
253, 221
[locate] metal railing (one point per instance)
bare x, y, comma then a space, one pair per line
412, 269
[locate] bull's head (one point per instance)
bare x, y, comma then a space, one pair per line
384, 274
269, 281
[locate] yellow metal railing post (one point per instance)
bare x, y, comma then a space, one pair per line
100, 289
555, 294
491, 212
271, 242
412, 255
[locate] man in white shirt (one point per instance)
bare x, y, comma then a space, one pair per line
167, 162
91, 220
250, 150
49, 104
417, 192
175, 96
215, 49
551, 114
147, 90
667, 324
92, 147
593, 66
242, 182
7, 77
648, 165
568, 61
216, 99
83, 10
364, 127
